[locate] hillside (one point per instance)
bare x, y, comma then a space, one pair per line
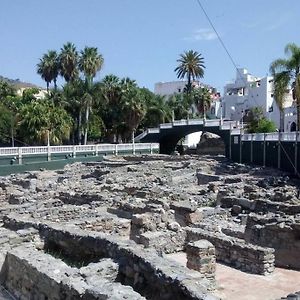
17, 83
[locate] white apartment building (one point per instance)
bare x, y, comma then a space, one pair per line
248, 91
170, 88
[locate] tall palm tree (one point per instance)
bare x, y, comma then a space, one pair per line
191, 66
90, 62
133, 109
111, 91
48, 68
73, 97
281, 81
287, 72
68, 60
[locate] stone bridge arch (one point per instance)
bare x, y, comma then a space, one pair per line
168, 139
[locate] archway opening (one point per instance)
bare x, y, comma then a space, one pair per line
293, 127
203, 143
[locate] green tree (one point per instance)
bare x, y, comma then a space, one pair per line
191, 65
281, 81
6, 89
202, 99
287, 72
72, 99
157, 111
133, 107
40, 119
68, 62
9, 106
48, 68
90, 62
111, 91
180, 105
257, 122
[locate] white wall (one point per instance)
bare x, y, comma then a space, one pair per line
169, 88
249, 91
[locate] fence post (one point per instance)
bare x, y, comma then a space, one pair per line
251, 148
230, 141
151, 150
241, 145
264, 153
116, 149
48, 153
96, 150
278, 152
20, 155
74, 151
296, 154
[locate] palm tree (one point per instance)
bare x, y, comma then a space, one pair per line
158, 111
179, 106
202, 99
133, 107
72, 97
48, 68
191, 66
68, 59
90, 62
281, 81
111, 91
39, 118
287, 73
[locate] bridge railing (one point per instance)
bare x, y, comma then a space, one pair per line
20, 152
166, 125
195, 122
273, 136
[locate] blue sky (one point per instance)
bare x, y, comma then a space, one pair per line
143, 38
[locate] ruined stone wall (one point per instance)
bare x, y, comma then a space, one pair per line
280, 233
148, 273
236, 253
31, 274
158, 231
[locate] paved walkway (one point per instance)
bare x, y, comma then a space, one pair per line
237, 285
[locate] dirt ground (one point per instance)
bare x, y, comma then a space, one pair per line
236, 285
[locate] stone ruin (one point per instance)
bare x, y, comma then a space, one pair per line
105, 230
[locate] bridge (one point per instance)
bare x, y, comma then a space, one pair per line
169, 134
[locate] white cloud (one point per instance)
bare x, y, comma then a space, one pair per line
202, 34
271, 23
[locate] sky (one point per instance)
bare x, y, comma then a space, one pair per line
142, 39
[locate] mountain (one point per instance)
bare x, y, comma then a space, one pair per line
17, 83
